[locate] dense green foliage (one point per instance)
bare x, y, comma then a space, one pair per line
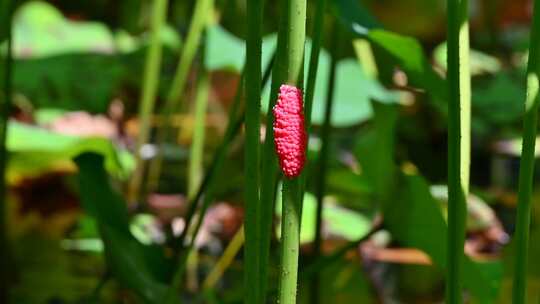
398, 108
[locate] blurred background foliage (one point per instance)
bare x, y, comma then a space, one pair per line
77, 79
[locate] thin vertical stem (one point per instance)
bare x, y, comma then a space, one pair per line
526, 170
149, 92
225, 260
293, 61
233, 126
200, 17
195, 166
269, 169
364, 53
316, 38
208, 184
197, 146
290, 240
252, 151
323, 162
458, 143
464, 98
269, 161
5, 254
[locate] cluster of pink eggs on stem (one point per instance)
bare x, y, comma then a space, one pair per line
290, 136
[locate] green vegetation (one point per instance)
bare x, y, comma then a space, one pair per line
139, 163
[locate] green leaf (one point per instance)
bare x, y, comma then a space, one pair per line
343, 282
71, 82
105, 205
77, 65
127, 43
35, 150
480, 216
407, 53
480, 63
418, 222
226, 51
354, 89
41, 30
394, 49
375, 150
85, 82
500, 100
353, 92
343, 180
354, 16
4, 11
127, 259
411, 214
48, 115
47, 273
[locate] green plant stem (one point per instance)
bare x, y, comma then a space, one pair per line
269, 170
316, 38
5, 251
149, 93
200, 16
317, 266
290, 241
95, 295
207, 186
526, 170
233, 126
252, 152
323, 162
197, 145
225, 260
201, 12
293, 61
235, 122
195, 167
363, 51
458, 143
182, 259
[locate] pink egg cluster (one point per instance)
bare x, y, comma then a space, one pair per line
289, 132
